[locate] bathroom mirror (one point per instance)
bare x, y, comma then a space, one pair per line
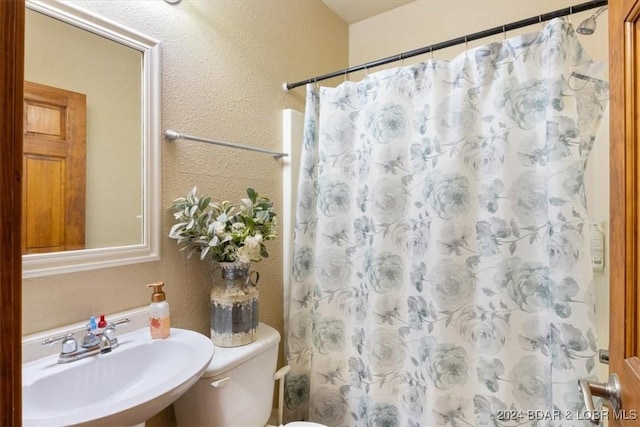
117, 73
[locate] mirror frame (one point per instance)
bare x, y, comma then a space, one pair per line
36, 265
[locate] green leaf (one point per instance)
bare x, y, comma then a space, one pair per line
252, 194
191, 197
203, 203
173, 233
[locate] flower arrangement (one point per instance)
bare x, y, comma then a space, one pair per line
224, 231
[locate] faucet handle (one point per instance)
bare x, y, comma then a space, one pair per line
110, 331
119, 321
90, 339
69, 343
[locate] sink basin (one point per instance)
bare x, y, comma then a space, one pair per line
131, 384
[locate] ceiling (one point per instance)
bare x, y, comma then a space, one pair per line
356, 10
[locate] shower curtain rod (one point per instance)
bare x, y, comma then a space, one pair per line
453, 42
172, 135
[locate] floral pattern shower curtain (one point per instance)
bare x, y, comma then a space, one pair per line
442, 274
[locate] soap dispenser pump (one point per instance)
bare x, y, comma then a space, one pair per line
159, 320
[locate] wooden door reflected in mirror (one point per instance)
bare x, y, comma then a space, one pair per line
54, 169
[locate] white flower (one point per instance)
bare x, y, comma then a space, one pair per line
251, 249
218, 228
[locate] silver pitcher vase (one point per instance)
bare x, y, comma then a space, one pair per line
234, 304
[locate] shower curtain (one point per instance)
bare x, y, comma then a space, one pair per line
441, 268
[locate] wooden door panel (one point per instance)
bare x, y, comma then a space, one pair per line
44, 194
624, 76
54, 169
45, 120
45, 127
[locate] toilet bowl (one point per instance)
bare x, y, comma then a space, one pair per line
237, 387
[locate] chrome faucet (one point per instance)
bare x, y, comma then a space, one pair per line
105, 344
91, 345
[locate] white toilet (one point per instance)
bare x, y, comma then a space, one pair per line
237, 388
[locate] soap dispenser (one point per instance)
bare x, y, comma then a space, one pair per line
159, 322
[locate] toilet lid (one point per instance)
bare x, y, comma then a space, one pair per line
303, 424
226, 358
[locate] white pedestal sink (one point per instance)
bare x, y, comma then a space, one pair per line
125, 387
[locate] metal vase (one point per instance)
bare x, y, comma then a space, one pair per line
234, 304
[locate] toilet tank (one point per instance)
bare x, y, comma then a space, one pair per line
237, 388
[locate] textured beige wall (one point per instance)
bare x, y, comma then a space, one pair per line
223, 65
424, 22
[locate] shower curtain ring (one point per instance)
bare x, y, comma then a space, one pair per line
504, 32
571, 15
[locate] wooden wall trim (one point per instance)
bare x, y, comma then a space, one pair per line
624, 104
11, 89
618, 179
